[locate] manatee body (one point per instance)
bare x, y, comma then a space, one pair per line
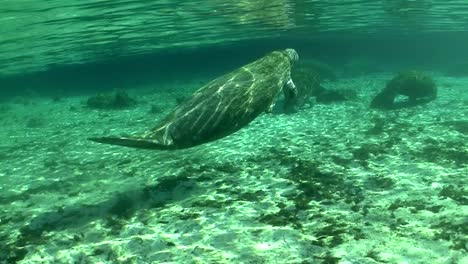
221, 107
418, 87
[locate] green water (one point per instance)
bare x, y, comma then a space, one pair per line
37, 35
369, 166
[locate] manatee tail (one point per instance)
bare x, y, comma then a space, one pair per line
143, 143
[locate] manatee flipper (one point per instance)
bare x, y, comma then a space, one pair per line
290, 89
142, 143
290, 96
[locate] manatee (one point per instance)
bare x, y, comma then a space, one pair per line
221, 107
418, 87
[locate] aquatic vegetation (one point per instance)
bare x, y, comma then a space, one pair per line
212, 203
117, 100
326, 258
456, 193
458, 125
380, 182
416, 86
189, 215
251, 196
308, 178
114, 223
314, 189
12, 253
285, 216
363, 152
331, 233
454, 231
444, 152
414, 205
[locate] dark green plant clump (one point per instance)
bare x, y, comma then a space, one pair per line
445, 153
12, 253
414, 205
456, 193
453, 231
366, 151
416, 86
380, 182
459, 125
118, 100
283, 217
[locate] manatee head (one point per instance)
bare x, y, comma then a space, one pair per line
293, 56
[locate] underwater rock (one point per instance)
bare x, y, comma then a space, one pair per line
221, 107
118, 100
418, 87
454, 153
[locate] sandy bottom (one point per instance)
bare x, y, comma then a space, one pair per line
335, 183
